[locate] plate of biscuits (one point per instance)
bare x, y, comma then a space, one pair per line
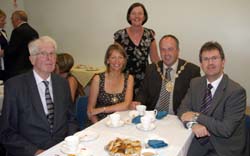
124, 147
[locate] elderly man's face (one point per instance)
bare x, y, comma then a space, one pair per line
44, 61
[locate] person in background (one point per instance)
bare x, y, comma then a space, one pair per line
17, 53
214, 108
64, 63
138, 42
37, 110
112, 90
3, 43
156, 83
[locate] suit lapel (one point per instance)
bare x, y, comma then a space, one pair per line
201, 92
56, 98
177, 83
218, 95
36, 99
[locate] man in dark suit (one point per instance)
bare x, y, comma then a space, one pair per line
3, 43
17, 53
214, 108
153, 84
37, 110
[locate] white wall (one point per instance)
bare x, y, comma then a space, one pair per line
85, 27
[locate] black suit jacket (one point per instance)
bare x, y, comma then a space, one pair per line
24, 125
17, 54
4, 44
149, 91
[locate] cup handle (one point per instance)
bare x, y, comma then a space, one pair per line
156, 112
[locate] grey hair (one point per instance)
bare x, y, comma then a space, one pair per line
34, 46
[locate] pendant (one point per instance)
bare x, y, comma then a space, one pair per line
169, 86
114, 99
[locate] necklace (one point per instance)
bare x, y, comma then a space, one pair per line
114, 99
169, 84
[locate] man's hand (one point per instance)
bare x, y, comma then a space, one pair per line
188, 116
200, 130
39, 151
1, 52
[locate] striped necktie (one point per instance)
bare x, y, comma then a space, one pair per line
206, 104
164, 94
207, 100
50, 105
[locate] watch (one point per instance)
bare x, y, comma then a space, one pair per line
195, 117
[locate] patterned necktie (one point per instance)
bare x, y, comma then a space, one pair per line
50, 105
164, 94
207, 100
206, 104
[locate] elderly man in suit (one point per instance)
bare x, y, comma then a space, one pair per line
214, 108
17, 53
166, 82
37, 110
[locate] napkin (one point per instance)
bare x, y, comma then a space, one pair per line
157, 143
161, 114
136, 119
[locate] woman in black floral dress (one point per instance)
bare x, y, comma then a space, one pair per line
138, 42
112, 90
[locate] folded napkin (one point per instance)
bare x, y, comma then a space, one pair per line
136, 119
157, 143
161, 114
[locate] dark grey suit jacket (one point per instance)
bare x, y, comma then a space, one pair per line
225, 120
149, 91
24, 126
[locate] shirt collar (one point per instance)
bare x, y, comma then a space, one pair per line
39, 79
174, 66
216, 83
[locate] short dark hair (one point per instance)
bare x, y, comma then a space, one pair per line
65, 62
134, 5
120, 49
173, 37
212, 45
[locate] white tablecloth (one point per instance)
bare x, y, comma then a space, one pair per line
169, 128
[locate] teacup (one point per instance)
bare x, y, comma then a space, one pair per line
71, 143
151, 114
115, 119
146, 122
141, 109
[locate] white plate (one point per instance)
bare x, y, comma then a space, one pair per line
149, 152
87, 135
120, 124
151, 127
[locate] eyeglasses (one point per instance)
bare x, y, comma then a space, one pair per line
45, 54
213, 58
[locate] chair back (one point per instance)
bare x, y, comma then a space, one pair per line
248, 122
81, 111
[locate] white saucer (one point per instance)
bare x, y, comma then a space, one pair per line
149, 152
120, 124
66, 150
151, 127
87, 135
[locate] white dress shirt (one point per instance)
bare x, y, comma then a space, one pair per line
41, 88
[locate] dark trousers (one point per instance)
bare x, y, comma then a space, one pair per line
196, 149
